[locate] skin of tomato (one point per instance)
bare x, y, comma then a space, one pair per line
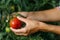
15, 23
7, 29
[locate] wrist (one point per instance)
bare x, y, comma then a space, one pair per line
38, 15
42, 26
45, 27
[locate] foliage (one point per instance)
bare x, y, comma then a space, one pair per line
7, 7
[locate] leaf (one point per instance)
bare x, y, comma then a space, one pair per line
2, 34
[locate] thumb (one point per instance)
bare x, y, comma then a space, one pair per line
22, 19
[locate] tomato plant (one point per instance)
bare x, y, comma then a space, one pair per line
15, 23
8, 7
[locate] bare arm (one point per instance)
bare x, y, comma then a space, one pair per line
50, 28
33, 26
46, 15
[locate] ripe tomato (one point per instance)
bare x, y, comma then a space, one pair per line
15, 23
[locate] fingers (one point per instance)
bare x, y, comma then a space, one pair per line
25, 14
22, 30
22, 34
22, 19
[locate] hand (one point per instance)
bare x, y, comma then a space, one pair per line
28, 15
31, 27
25, 14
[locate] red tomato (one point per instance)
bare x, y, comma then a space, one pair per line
15, 23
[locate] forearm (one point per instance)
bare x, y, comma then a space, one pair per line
50, 28
47, 15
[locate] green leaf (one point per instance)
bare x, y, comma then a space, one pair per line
2, 34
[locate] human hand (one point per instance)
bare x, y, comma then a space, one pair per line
22, 14
32, 26
28, 15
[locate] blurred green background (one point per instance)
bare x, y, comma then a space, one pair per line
7, 7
